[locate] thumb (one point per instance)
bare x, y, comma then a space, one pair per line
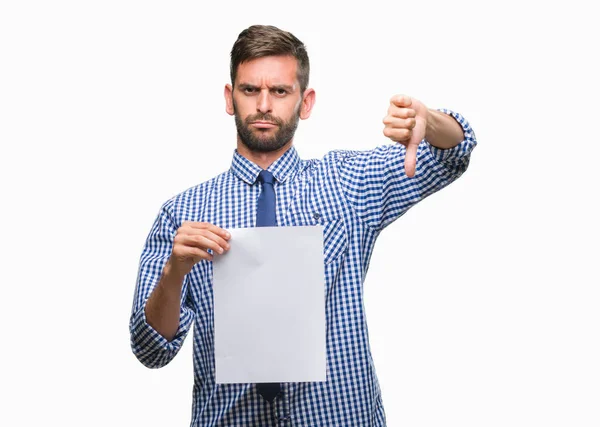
410, 159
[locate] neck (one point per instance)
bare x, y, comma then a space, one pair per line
264, 160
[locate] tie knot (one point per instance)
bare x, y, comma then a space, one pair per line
266, 177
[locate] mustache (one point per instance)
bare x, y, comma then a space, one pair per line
264, 118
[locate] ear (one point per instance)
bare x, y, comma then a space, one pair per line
308, 100
228, 93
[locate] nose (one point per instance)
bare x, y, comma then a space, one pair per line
263, 102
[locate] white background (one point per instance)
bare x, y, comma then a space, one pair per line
482, 301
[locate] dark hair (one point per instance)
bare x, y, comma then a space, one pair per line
259, 41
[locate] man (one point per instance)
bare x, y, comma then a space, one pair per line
352, 194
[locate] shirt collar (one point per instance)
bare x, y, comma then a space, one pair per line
282, 168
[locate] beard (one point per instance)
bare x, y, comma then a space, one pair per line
257, 140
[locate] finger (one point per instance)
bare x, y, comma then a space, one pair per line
223, 243
395, 122
401, 112
201, 242
205, 233
184, 253
198, 254
398, 135
207, 226
401, 100
410, 160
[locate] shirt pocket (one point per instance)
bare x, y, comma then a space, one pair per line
335, 241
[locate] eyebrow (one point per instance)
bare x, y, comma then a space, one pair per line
285, 87
288, 88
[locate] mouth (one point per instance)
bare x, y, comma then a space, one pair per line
263, 125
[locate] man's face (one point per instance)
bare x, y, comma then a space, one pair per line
267, 102
255, 130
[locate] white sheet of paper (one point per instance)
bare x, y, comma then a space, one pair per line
269, 302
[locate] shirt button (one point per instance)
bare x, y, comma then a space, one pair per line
316, 216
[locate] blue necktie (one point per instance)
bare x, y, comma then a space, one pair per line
265, 216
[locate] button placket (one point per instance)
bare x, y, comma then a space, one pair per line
282, 413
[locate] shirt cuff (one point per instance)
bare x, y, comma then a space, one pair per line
149, 346
463, 149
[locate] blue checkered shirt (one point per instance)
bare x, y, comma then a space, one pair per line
353, 195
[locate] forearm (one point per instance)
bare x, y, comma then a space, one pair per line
164, 305
442, 130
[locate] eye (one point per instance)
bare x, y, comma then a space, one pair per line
280, 92
249, 90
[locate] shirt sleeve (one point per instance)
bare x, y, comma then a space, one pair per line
151, 348
376, 186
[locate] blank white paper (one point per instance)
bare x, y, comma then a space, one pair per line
269, 302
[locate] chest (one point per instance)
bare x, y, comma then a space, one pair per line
310, 198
